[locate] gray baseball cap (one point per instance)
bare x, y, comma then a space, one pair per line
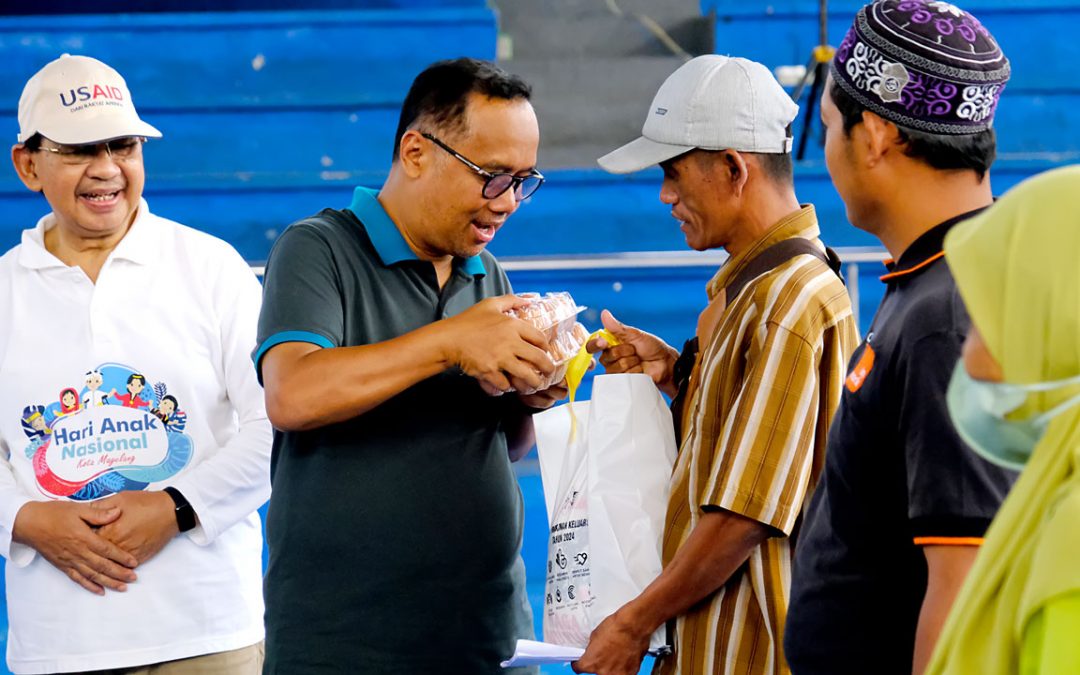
714, 103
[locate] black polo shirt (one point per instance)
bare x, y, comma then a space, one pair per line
394, 536
897, 477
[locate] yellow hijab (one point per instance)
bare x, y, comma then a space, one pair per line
1017, 266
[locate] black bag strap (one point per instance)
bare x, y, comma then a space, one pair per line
769, 259
776, 255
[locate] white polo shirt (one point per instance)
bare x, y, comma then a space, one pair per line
173, 314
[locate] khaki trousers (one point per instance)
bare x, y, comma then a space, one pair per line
246, 661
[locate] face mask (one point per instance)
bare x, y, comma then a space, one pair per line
978, 411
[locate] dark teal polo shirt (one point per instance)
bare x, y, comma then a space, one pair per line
394, 536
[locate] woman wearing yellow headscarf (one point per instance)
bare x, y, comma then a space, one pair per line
1015, 398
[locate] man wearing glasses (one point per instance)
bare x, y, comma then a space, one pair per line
396, 521
157, 525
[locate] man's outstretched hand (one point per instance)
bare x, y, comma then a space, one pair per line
637, 352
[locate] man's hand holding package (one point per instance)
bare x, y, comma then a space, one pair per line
496, 348
540, 400
546, 398
637, 352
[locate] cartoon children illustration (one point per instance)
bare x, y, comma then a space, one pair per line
69, 402
135, 384
94, 397
169, 412
33, 422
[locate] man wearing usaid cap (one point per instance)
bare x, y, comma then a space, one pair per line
130, 543
76, 100
903, 503
755, 389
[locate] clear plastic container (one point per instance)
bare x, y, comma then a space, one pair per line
555, 315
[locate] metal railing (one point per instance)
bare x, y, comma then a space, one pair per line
851, 256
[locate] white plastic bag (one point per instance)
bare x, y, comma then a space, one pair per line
606, 491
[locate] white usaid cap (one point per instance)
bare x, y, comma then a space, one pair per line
713, 103
76, 100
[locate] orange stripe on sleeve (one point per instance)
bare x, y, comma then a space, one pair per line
949, 541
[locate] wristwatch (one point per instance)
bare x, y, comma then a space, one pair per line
185, 515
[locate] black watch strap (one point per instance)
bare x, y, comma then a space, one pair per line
185, 515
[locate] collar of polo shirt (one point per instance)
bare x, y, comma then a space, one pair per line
385, 235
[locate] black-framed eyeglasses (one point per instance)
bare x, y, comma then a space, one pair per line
119, 149
496, 183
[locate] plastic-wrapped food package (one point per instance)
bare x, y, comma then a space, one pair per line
555, 315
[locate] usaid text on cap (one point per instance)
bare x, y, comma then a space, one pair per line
91, 92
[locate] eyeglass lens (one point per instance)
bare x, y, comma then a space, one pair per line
524, 186
120, 148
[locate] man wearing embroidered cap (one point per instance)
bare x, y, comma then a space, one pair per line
754, 390
157, 523
903, 503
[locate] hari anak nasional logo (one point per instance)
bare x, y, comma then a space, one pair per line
94, 440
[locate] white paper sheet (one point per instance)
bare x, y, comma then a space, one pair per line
533, 653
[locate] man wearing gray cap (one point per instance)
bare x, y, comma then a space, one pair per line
128, 520
903, 503
755, 389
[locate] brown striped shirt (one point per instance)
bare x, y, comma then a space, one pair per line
761, 399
